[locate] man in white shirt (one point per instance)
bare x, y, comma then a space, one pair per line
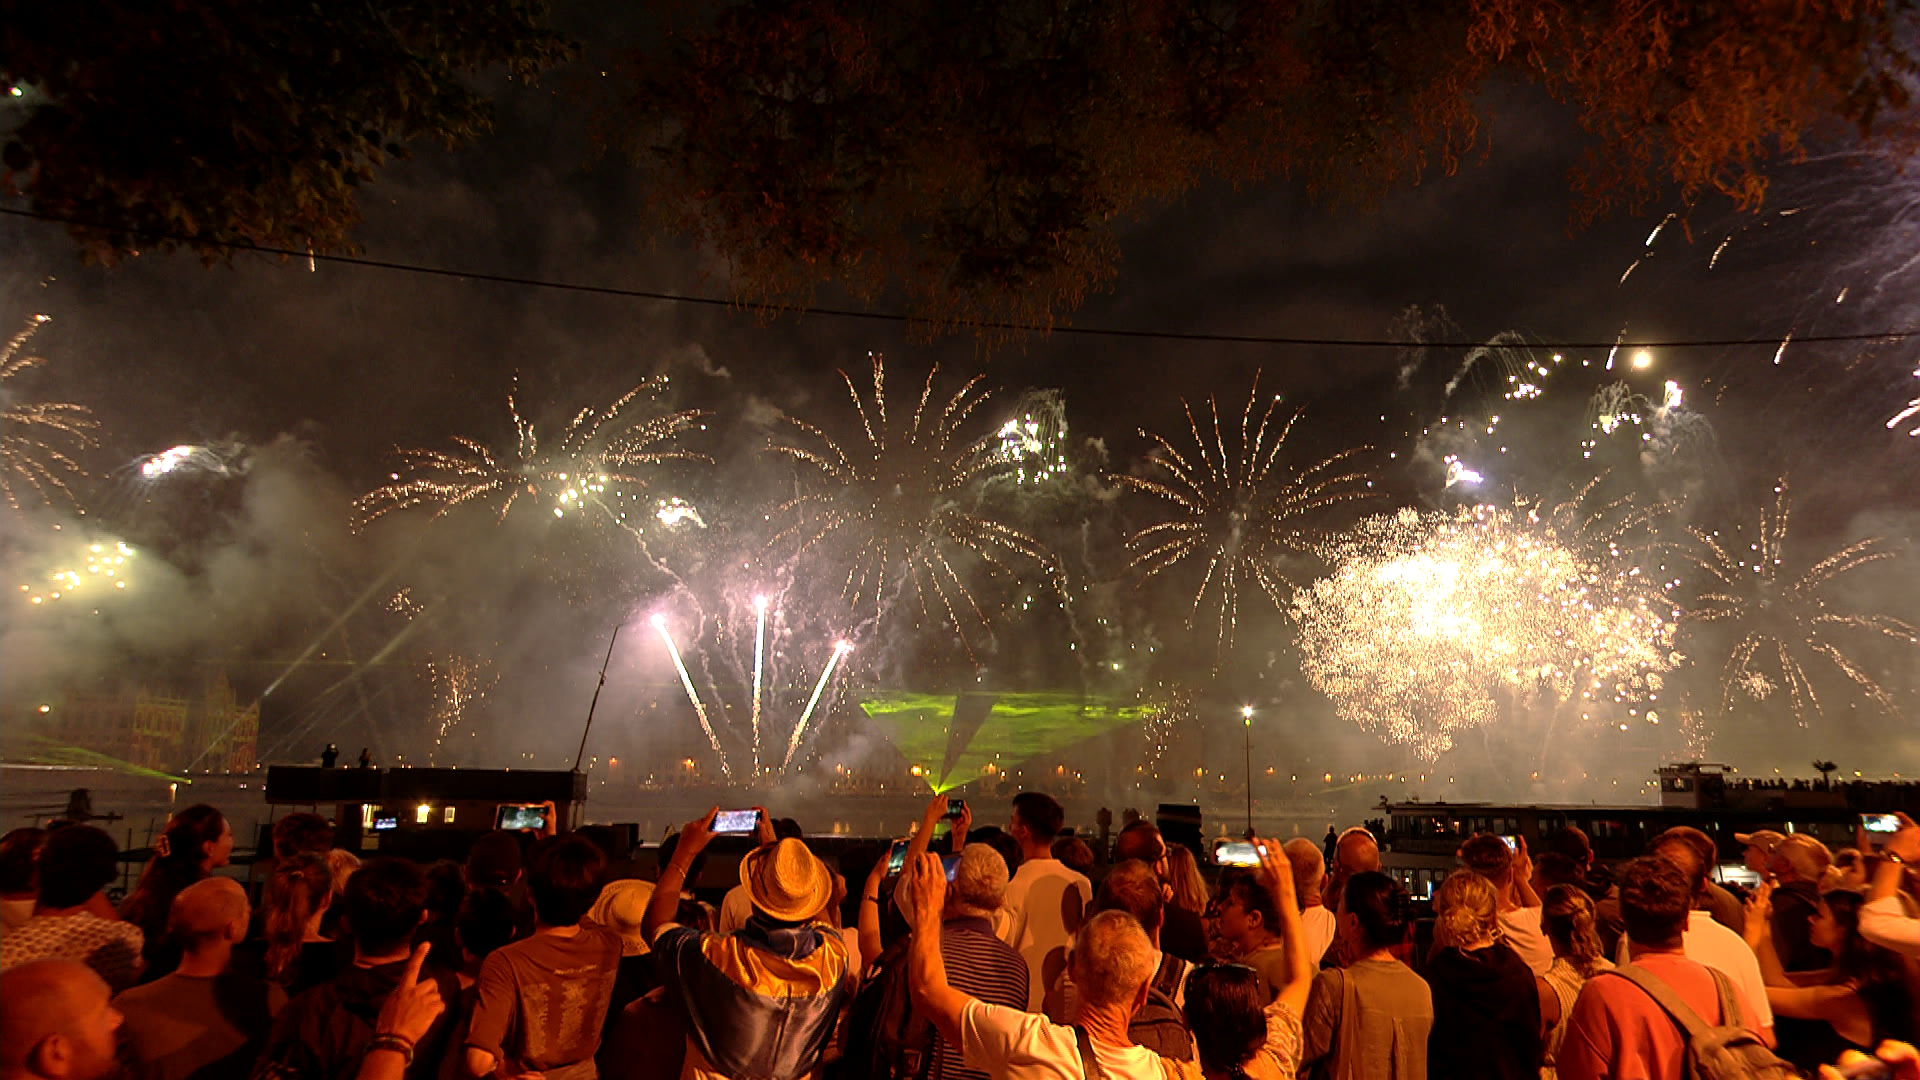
1309, 874
1707, 941
1511, 871
1112, 965
1046, 898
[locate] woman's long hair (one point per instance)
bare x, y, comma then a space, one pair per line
1380, 904
1183, 872
177, 862
1226, 1009
299, 887
1466, 912
1876, 973
1567, 918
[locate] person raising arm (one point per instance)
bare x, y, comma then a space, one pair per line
1882, 920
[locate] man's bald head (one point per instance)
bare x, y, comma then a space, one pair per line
1309, 868
56, 1022
1357, 851
207, 912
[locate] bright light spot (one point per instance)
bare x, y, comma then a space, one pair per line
166, 461
1642, 360
675, 511
658, 620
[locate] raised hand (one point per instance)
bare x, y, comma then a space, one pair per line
414, 1005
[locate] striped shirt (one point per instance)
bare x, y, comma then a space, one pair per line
982, 966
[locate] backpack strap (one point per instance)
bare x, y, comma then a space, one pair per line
1731, 1014
1089, 1065
1167, 979
1663, 996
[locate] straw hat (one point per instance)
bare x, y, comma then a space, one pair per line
620, 907
784, 880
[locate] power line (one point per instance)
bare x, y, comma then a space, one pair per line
902, 318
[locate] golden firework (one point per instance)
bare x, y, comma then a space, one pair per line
37, 438
1429, 621
598, 450
898, 502
1786, 620
1240, 511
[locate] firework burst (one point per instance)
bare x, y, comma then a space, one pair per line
39, 437
599, 449
459, 682
1428, 620
1239, 511
1785, 621
898, 504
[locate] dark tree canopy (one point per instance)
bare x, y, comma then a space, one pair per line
978, 152
242, 120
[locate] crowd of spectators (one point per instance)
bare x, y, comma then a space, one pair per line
968, 952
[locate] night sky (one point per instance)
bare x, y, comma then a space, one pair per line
350, 362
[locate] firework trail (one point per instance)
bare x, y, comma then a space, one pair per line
1239, 511
1429, 619
1912, 410
1784, 620
897, 504
597, 449
37, 438
699, 707
840, 649
759, 664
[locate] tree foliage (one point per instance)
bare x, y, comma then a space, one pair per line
252, 121
979, 152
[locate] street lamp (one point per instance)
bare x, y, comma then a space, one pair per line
1246, 714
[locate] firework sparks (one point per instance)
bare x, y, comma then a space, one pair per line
840, 649
37, 438
597, 450
1032, 443
898, 501
458, 683
1428, 619
1166, 710
1784, 620
1238, 512
699, 708
101, 568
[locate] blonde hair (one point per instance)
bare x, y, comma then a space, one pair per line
1466, 912
1567, 918
1183, 876
342, 864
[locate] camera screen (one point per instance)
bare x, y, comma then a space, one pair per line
514, 817
736, 821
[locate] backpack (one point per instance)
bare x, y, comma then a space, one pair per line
1159, 1025
1724, 1052
886, 1038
